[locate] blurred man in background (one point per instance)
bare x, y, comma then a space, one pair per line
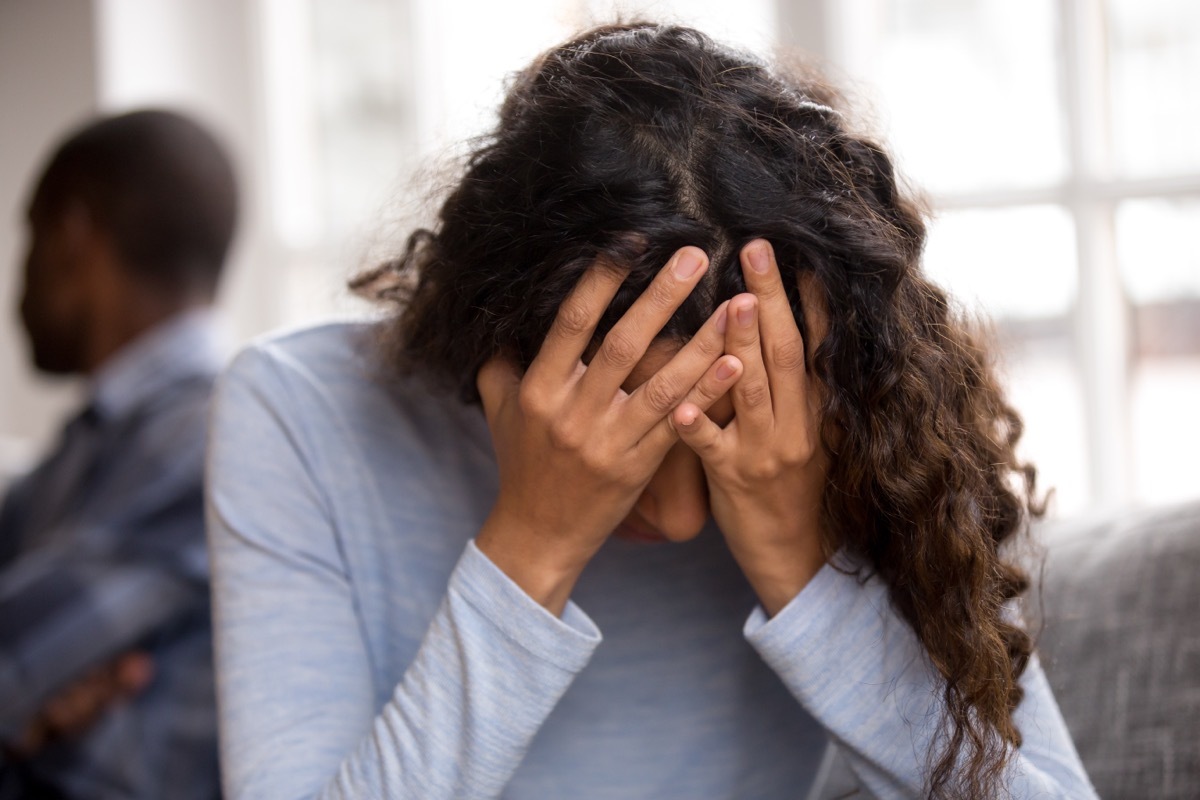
105, 648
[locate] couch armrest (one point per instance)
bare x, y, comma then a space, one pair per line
1120, 642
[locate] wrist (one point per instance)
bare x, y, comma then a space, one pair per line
778, 568
777, 585
541, 563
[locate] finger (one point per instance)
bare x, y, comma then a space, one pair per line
715, 384
134, 672
576, 320
699, 432
649, 404
496, 381
782, 343
625, 345
752, 393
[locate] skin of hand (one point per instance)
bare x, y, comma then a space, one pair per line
574, 449
766, 468
76, 707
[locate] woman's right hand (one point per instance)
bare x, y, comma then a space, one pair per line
574, 449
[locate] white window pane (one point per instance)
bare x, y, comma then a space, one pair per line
968, 91
1154, 73
1011, 262
1017, 266
1160, 267
1045, 389
1156, 248
749, 24
363, 107
1166, 429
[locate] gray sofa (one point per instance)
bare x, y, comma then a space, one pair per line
1121, 645
1117, 621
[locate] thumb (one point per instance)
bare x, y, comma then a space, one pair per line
497, 380
697, 431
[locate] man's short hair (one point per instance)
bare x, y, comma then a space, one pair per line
159, 185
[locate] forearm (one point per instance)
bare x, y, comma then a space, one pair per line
63, 616
545, 566
490, 669
856, 666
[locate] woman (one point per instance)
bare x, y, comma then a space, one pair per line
667, 357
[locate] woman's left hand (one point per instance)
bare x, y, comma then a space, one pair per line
766, 468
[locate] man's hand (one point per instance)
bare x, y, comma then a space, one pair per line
76, 708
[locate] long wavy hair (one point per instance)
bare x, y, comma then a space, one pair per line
633, 140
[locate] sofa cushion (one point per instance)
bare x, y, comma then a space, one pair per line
1121, 645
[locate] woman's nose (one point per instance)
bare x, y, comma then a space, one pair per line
675, 501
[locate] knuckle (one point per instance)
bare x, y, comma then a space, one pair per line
628, 479
573, 319
705, 392
619, 350
709, 346
755, 393
531, 401
709, 389
770, 290
795, 454
599, 462
660, 394
565, 435
707, 443
788, 355
761, 470
661, 295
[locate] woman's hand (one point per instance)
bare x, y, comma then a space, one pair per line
766, 468
574, 449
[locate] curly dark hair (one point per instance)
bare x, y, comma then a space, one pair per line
633, 140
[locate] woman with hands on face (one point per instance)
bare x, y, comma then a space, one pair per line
578, 454
673, 477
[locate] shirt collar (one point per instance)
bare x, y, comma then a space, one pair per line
186, 344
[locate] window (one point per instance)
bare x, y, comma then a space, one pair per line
1057, 141
1056, 138
368, 101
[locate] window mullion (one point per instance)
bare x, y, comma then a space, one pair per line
1102, 316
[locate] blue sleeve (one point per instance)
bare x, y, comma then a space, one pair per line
297, 706
858, 668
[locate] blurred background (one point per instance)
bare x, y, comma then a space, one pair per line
1059, 142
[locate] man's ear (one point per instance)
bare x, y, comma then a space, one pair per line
72, 233
75, 223
90, 248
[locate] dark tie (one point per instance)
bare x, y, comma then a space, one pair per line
59, 480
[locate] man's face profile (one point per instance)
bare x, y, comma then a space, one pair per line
52, 309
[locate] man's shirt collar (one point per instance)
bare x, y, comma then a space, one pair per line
188, 343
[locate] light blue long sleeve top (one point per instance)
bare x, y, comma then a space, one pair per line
367, 649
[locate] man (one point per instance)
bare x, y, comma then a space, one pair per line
105, 648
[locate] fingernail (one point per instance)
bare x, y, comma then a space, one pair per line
758, 259
722, 319
745, 314
725, 371
687, 264
689, 419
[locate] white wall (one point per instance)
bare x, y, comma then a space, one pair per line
47, 84
66, 60
201, 57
